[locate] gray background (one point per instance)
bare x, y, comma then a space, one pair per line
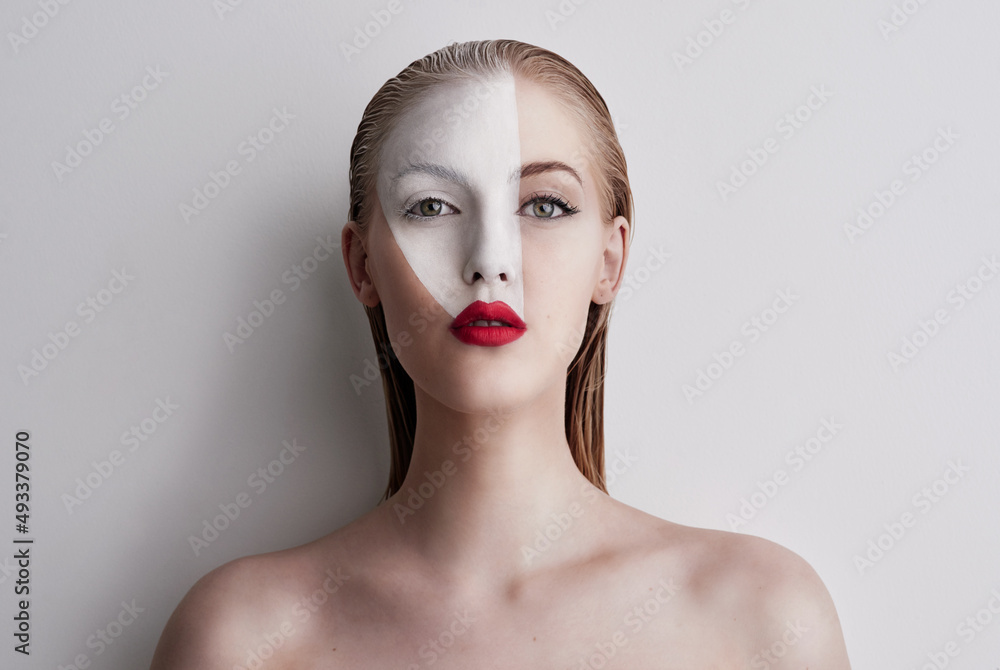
684, 126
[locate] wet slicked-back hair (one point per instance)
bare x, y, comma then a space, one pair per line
584, 417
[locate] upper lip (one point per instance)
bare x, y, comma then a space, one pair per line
488, 311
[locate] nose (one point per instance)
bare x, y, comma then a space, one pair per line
494, 254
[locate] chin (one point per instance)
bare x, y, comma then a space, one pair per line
487, 389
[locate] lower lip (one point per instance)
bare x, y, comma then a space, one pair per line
487, 336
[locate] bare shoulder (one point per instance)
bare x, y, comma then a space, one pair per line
217, 618
252, 605
765, 594
798, 623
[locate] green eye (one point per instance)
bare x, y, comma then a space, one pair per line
542, 209
429, 207
547, 206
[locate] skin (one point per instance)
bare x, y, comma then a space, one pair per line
464, 577
484, 233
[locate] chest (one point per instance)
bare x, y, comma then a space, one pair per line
637, 634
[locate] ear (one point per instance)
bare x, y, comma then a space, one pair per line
615, 259
356, 259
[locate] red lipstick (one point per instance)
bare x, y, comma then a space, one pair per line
473, 325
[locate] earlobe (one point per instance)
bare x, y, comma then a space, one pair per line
614, 260
356, 261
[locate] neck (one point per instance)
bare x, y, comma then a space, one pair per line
484, 492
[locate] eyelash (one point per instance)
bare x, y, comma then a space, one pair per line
568, 210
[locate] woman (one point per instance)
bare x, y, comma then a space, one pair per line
490, 226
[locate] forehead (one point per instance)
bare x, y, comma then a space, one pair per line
461, 122
493, 124
548, 130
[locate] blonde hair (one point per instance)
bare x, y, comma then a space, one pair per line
584, 417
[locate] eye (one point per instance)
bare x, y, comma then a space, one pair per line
547, 206
428, 208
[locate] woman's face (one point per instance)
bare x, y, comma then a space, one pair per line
486, 193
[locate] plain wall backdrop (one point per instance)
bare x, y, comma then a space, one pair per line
827, 169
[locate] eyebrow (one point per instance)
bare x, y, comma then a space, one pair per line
540, 167
448, 174
433, 169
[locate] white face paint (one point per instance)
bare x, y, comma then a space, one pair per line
458, 152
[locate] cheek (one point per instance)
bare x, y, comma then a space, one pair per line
568, 258
560, 275
434, 257
410, 310
416, 325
